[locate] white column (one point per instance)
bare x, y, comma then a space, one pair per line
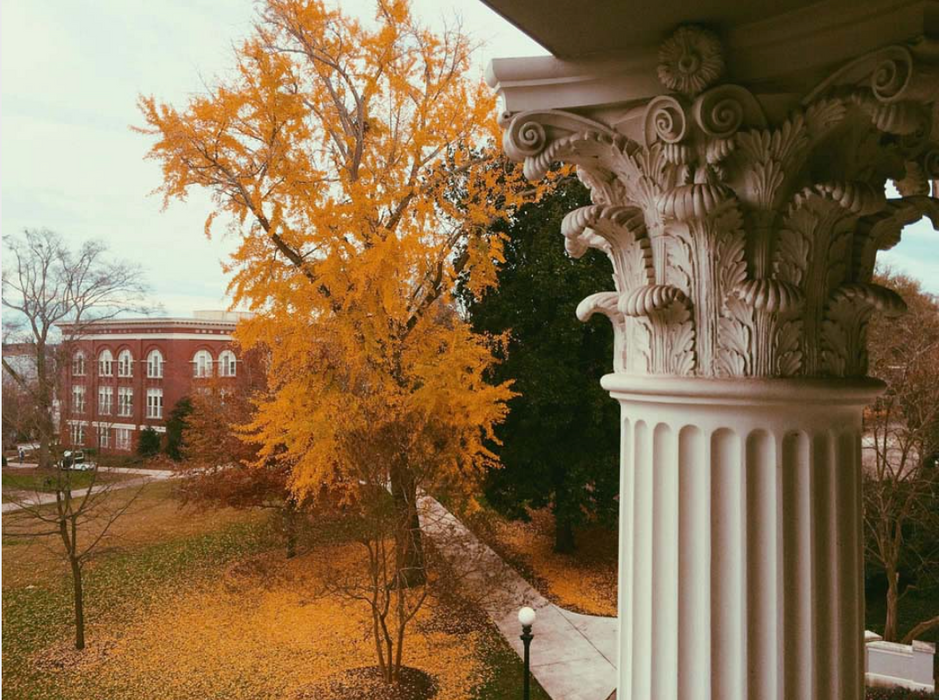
742, 221
740, 538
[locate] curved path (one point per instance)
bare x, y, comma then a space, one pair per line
572, 655
31, 499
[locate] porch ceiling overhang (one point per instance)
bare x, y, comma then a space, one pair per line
606, 52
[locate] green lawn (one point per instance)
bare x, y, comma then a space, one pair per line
125, 587
46, 480
116, 588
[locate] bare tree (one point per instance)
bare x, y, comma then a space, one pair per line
45, 284
377, 579
901, 479
386, 578
19, 407
70, 508
52, 294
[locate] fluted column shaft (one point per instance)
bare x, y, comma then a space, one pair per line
742, 206
740, 572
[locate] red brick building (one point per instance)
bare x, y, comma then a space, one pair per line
125, 375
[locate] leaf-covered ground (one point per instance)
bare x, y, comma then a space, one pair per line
32, 480
216, 611
584, 581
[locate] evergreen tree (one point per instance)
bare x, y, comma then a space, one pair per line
175, 425
148, 444
560, 442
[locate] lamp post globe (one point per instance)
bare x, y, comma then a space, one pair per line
526, 616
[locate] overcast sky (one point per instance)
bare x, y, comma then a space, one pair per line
70, 74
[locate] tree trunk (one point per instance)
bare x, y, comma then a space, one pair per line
379, 651
289, 514
409, 546
44, 400
563, 516
564, 542
79, 604
893, 604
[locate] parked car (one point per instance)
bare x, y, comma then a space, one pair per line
75, 461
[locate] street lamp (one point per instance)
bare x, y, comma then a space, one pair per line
526, 616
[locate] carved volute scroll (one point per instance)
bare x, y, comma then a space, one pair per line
743, 237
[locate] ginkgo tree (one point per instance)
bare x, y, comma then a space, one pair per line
357, 160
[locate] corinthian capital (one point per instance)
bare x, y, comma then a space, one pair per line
742, 223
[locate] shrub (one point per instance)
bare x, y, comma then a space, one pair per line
899, 694
149, 443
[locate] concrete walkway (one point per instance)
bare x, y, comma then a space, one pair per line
156, 473
32, 499
572, 655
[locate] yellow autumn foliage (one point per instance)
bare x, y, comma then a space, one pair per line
358, 162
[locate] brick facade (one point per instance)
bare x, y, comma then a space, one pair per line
178, 340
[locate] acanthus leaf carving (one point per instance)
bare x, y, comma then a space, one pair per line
788, 348
744, 245
668, 335
859, 198
601, 302
882, 231
844, 347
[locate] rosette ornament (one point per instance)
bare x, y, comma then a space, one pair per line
690, 60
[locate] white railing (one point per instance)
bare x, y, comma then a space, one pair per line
904, 665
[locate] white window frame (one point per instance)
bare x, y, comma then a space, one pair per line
125, 363
78, 364
77, 434
154, 403
104, 436
155, 363
78, 398
105, 400
105, 363
122, 439
202, 364
125, 401
227, 364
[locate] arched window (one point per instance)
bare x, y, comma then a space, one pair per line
227, 364
78, 364
202, 364
105, 363
155, 364
125, 364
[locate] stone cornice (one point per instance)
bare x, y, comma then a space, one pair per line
104, 325
790, 50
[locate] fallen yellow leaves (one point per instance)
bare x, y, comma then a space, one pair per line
584, 581
261, 629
